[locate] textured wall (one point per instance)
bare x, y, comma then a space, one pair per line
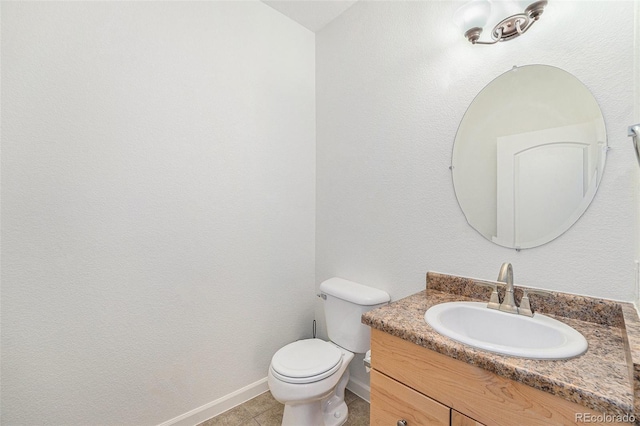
636, 120
393, 81
158, 164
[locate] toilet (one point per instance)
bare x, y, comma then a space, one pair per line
309, 376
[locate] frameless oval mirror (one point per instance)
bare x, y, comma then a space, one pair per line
528, 156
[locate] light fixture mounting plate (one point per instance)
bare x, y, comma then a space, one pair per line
511, 27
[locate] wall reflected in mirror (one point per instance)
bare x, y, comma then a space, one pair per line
528, 156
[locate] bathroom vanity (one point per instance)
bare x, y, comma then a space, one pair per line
420, 377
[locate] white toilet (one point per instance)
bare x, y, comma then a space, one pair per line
309, 376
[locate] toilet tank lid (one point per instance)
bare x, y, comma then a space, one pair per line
353, 292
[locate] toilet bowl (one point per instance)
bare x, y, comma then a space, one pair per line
310, 376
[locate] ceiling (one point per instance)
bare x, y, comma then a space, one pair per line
312, 14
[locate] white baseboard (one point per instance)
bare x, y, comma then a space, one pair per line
227, 402
361, 389
220, 405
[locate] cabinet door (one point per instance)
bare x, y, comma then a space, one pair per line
459, 419
392, 401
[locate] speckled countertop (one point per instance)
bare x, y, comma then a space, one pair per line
604, 379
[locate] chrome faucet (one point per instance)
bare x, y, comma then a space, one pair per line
506, 276
508, 304
525, 305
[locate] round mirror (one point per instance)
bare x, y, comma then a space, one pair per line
528, 156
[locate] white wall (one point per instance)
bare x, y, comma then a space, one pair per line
393, 81
158, 205
636, 120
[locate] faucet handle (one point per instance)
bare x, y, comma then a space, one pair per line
525, 306
494, 302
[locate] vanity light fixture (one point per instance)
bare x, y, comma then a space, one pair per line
473, 16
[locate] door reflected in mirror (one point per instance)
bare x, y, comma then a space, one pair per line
528, 156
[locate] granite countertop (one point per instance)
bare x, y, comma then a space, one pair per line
604, 379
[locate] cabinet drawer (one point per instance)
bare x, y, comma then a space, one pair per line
392, 401
459, 419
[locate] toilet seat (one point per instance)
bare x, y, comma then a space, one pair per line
306, 361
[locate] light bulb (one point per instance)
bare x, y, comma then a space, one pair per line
473, 14
523, 4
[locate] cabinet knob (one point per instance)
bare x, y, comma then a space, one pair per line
402, 422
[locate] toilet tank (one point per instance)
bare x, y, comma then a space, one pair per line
344, 303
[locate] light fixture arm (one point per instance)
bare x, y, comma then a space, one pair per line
494, 39
473, 36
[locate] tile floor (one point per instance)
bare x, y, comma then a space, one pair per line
263, 410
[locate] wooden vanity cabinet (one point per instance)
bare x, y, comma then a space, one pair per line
423, 387
459, 419
392, 402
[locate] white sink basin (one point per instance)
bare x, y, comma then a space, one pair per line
476, 325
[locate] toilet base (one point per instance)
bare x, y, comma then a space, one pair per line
328, 411
334, 408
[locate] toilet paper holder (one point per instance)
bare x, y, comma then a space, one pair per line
367, 361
